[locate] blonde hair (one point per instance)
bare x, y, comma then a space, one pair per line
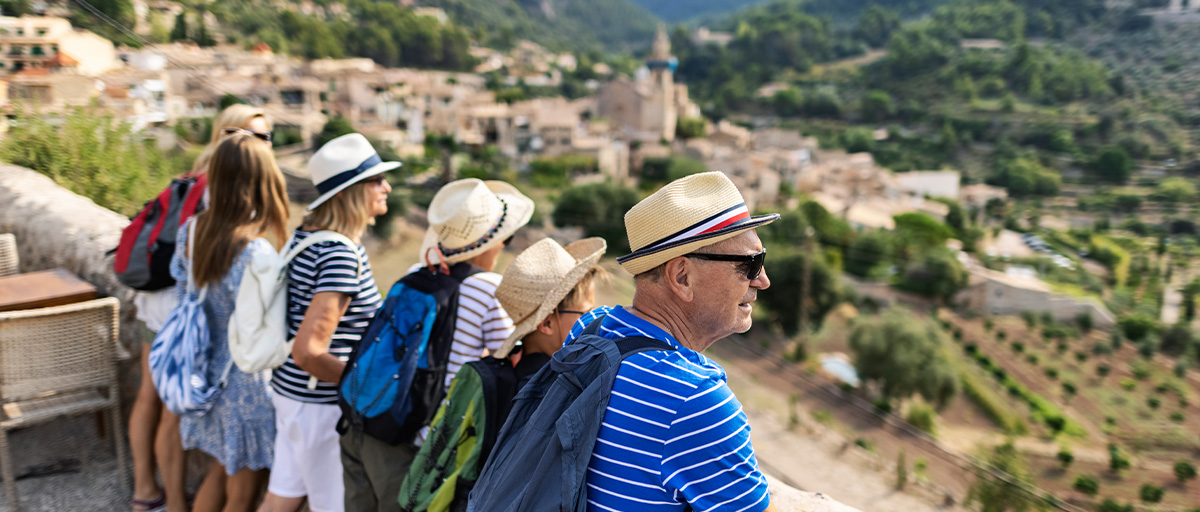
248, 200
348, 212
234, 116
583, 287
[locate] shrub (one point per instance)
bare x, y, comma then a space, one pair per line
999, 373
1128, 384
1081, 356
1177, 417
987, 324
921, 415
1084, 321
883, 405
1018, 346
1153, 402
1061, 347
1103, 369
1111, 506
1065, 457
1032, 358
1052, 373
1151, 493
1030, 318
971, 348
865, 444
1069, 388
958, 334
1087, 485
1141, 370
1101, 349
1185, 471
1115, 340
1001, 335
1116, 461
1055, 331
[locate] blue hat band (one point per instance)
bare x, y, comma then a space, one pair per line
343, 177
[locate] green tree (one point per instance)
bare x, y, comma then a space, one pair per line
868, 252
904, 354
1110, 505
787, 272
876, 24
599, 209
936, 274
877, 106
921, 231
180, 31
1185, 471
1087, 485
335, 127
995, 495
690, 127
682, 166
1065, 457
1137, 326
1113, 165
1175, 190
229, 99
1151, 493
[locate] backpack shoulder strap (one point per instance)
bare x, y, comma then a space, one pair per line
317, 237
635, 344
461, 271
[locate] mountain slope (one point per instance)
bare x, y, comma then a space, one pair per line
677, 11
611, 25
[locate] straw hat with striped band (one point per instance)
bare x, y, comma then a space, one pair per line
468, 217
539, 278
685, 215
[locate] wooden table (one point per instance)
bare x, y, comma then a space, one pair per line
43, 289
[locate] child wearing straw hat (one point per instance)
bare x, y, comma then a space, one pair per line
470, 223
545, 289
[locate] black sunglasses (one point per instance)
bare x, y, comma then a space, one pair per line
378, 179
263, 136
749, 264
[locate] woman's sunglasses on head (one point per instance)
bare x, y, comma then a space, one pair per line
750, 265
263, 136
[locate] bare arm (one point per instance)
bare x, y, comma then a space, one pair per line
770, 508
311, 351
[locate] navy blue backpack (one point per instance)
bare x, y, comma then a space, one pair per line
541, 456
395, 378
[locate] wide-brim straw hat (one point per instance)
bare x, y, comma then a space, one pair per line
685, 215
539, 278
469, 217
342, 162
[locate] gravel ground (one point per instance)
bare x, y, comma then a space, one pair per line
66, 466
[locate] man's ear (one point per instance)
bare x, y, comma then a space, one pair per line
545, 326
680, 277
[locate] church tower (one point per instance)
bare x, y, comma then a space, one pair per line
662, 65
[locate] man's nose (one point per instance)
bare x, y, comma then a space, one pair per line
762, 282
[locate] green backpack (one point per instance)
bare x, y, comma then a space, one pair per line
460, 438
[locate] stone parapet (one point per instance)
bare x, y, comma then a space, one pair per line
56, 228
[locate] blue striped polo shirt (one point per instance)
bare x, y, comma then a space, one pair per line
673, 434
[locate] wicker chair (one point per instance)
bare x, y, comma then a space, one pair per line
8, 254
56, 362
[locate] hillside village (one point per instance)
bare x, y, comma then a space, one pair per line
931, 195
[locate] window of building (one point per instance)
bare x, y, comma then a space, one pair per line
15, 50
565, 142
20, 31
37, 50
41, 31
53, 48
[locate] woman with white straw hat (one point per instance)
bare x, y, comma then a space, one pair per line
331, 300
545, 289
470, 222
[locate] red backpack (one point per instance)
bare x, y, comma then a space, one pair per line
147, 244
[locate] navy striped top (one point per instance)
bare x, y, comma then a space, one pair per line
326, 267
673, 434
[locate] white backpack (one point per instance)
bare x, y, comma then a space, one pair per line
258, 331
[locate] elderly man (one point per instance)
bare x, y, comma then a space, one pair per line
674, 435
629, 415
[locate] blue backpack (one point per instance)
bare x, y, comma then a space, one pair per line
540, 459
179, 356
395, 378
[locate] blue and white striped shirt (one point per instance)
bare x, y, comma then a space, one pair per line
673, 434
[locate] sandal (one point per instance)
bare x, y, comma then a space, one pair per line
155, 505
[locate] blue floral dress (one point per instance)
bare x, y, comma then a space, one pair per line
239, 430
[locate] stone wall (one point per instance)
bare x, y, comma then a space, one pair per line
56, 228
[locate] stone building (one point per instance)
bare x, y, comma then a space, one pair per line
647, 107
48, 42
